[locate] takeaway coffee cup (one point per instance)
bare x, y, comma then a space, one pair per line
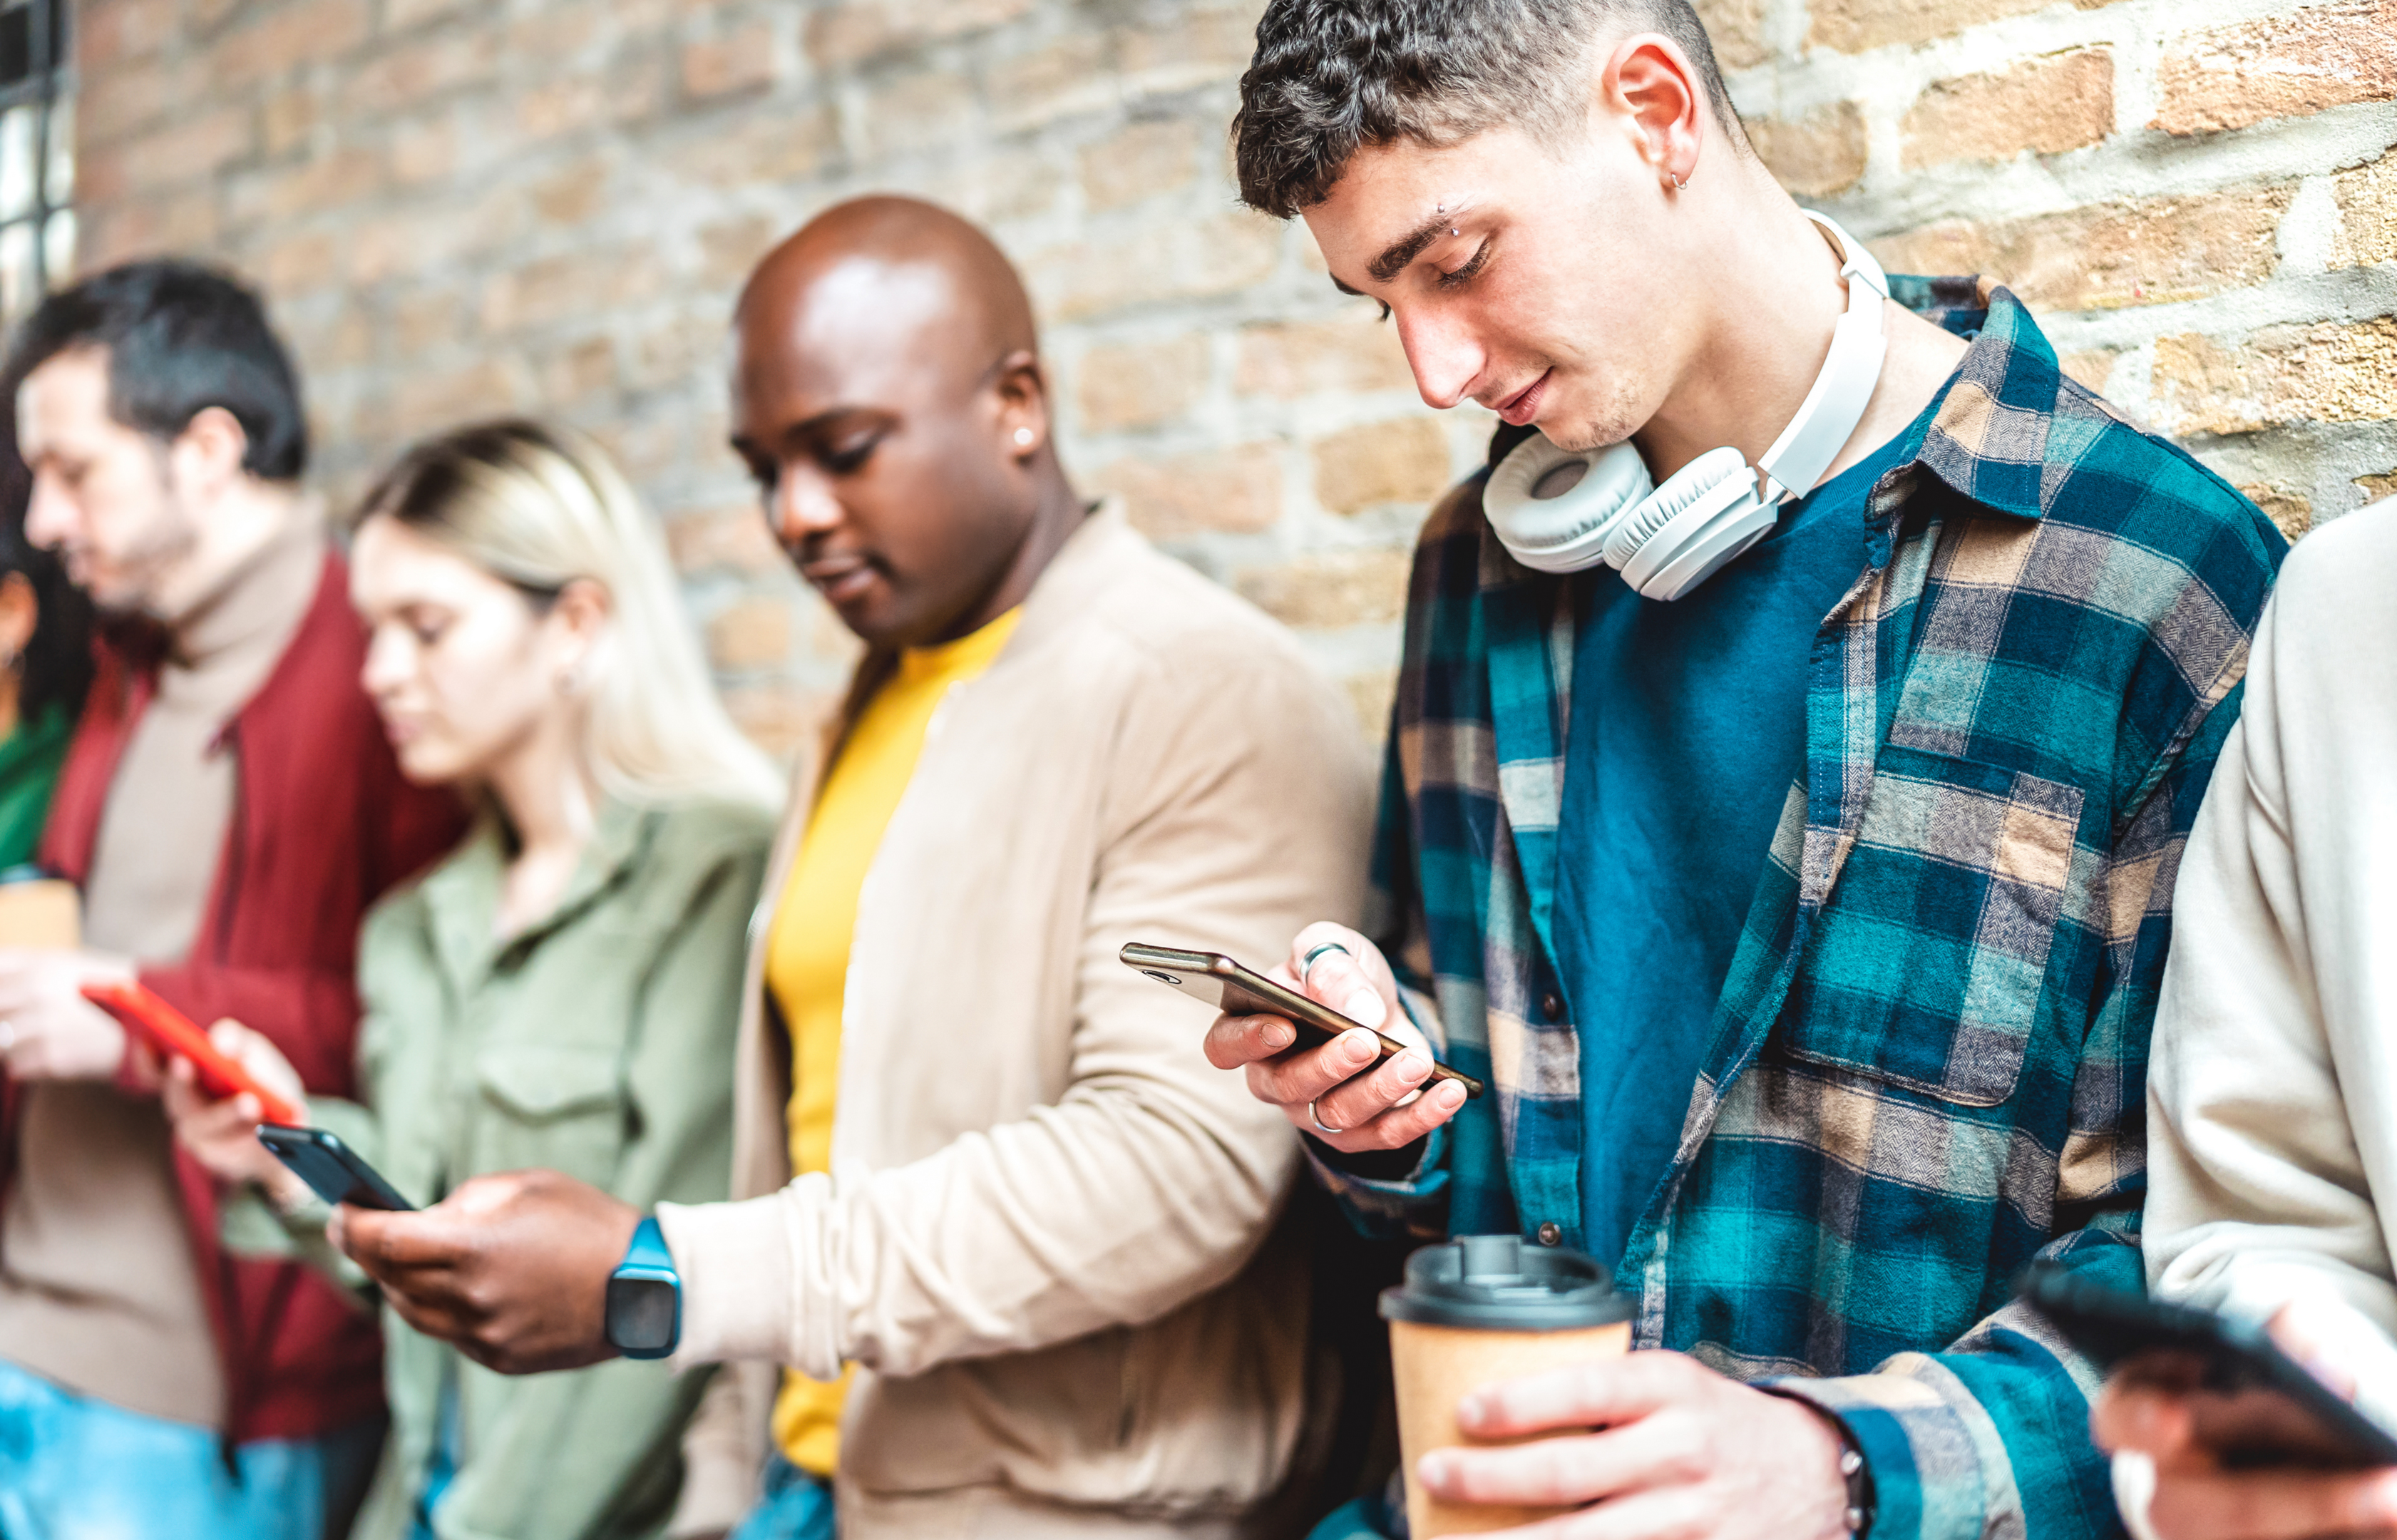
1477, 1310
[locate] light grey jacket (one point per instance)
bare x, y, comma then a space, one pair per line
1043, 1237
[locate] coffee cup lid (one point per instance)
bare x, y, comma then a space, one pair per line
1496, 1283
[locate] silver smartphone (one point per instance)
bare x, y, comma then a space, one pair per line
1238, 991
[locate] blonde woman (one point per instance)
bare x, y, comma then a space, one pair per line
561, 991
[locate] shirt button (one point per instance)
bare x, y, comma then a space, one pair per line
1552, 1005
1549, 1233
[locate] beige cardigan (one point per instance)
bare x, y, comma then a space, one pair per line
2273, 1095
1042, 1240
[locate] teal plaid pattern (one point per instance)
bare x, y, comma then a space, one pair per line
1927, 1065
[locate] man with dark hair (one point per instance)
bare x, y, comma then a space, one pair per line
1802, 883
229, 809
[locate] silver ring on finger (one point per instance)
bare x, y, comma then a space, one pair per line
1306, 963
1316, 1119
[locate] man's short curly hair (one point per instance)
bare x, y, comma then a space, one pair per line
1330, 76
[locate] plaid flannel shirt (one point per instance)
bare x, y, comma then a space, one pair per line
1927, 1064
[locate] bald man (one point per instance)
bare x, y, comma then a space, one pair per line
1013, 1242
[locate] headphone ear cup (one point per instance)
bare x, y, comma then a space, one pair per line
1682, 490
1567, 533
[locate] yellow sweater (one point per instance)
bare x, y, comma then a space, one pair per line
807, 951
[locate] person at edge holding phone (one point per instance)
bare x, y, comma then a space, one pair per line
983, 1162
1796, 867
2273, 1095
229, 808
562, 990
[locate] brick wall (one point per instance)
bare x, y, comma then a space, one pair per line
460, 207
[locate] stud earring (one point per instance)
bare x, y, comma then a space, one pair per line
1023, 438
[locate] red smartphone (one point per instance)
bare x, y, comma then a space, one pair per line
173, 1033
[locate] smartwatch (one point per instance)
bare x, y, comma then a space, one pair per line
644, 1297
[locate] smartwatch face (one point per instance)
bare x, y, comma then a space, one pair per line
642, 1313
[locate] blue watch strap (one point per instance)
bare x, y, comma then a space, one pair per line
648, 1249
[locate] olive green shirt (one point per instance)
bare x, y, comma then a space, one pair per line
597, 1043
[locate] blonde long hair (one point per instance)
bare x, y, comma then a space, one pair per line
540, 507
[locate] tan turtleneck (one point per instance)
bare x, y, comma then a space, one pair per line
98, 1287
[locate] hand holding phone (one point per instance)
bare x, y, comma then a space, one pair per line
2248, 1400
173, 1034
336, 1172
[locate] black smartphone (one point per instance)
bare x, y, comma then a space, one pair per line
2251, 1402
1223, 984
338, 1174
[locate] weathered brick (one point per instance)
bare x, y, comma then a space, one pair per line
191, 147
569, 287
847, 35
301, 264
346, 176
2367, 214
283, 39
2336, 372
1072, 75
732, 539
1194, 45
1332, 590
1136, 384
1854, 26
426, 320
778, 718
1294, 358
580, 369
423, 400
1156, 262
2091, 368
1816, 155
411, 74
1370, 696
575, 193
129, 97
2291, 510
917, 111
1139, 162
1403, 459
782, 146
1234, 488
749, 635
673, 351
2301, 61
286, 119
399, 15
106, 33
2105, 256
729, 248
736, 64
424, 151
1735, 28
2044, 105
147, 226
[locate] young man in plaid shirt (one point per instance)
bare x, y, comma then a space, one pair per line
1807, 924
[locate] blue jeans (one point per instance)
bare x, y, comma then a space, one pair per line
797, 1505
73, 1468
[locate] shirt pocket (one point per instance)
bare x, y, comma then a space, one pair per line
1928, 962
553, 1105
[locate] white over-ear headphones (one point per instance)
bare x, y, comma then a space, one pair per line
1561, 512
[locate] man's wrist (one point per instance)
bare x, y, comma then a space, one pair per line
1854, 1472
